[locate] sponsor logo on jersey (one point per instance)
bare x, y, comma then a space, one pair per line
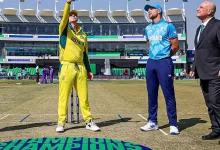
77, 41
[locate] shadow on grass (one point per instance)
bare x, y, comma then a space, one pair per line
186, 123
27, 126
105, 123
34, 125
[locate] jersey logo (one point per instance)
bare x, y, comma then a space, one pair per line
155, 37
81, 37
77, 41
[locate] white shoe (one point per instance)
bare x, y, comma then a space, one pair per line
149, 126
92, 126
60, 128
174, 130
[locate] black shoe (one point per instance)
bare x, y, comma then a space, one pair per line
211, 136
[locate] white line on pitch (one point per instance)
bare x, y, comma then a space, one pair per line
4, 116
147, 120
163, 132
142, 117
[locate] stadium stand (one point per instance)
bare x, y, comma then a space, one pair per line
102, 16
84, 16
138, 16
30, 16
178, 71
10, 15
1, 19
28, 36
175, 15
14, 70
120, 16
48, 16
120, 71
32, 71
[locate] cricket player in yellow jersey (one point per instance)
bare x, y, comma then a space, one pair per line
74, 68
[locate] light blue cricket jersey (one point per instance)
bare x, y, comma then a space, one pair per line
159, 35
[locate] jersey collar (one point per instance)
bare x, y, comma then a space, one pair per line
78, 28
161, 20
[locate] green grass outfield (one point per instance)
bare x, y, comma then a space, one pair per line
108, 99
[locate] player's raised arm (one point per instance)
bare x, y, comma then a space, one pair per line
65, 19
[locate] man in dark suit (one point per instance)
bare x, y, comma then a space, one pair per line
207, 64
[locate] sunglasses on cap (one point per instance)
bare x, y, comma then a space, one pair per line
74, 15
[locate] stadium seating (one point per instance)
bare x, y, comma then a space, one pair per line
142, 71
49, 19
103, 19
28, 51
12, 18
32, 71
120, 71
121, 19
139, 19
115, 71
178, 71
14, 70
32, 19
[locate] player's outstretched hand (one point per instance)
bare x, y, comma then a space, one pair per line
191, 74
90, 76
69, 1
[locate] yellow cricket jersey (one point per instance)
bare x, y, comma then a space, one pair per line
73, 46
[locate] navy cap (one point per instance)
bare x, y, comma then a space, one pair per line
157, 6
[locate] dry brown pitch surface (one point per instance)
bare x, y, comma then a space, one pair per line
107, 100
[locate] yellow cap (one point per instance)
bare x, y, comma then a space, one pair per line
74, 11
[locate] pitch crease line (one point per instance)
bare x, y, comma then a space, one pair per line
147, 120
4, 116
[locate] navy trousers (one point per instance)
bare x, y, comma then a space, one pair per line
161, 72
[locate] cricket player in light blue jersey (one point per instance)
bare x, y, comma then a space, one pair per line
163, 43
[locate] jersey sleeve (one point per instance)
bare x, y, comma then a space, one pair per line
65, 19
172, 32
86, 57
145, 33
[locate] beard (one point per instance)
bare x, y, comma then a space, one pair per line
152, 16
